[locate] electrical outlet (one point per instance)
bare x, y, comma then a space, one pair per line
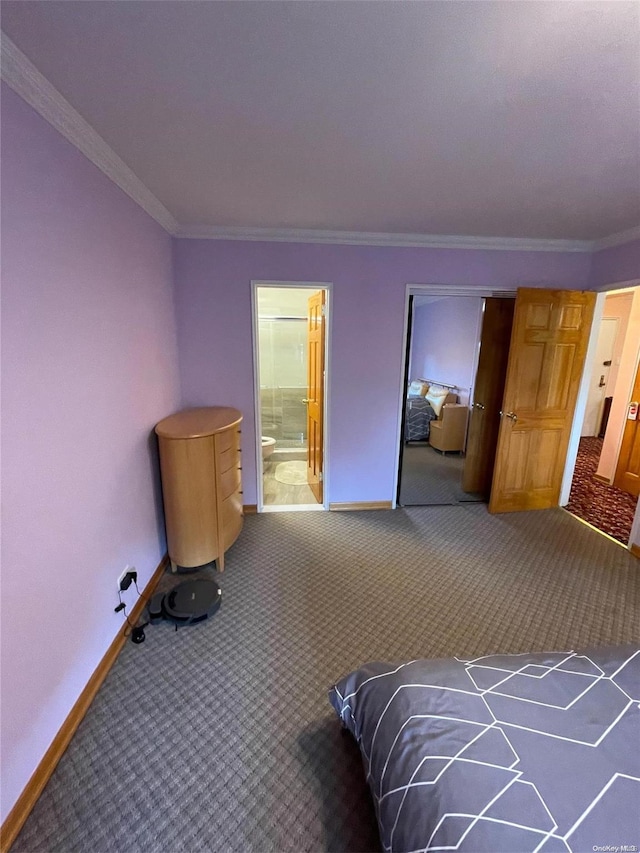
126, 578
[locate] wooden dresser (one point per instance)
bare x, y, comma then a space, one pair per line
201, 484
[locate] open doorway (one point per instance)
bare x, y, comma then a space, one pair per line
604, 488
291, 370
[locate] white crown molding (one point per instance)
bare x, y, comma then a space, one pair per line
23, 77
363, 238
617, 239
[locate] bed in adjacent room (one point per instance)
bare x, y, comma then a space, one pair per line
423, 404
504, 753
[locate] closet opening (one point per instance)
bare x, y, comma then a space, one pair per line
452, 393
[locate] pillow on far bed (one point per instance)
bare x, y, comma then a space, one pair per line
436, 396
418, 388
504, 753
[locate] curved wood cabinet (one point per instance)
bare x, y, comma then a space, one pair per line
201, 483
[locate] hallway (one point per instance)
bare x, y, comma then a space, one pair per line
605, 507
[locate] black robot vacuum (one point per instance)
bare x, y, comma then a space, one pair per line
187, 603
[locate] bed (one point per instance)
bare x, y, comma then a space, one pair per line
423, 403
501, 754
418, 417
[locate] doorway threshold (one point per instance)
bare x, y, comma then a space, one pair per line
293, 508
597, 529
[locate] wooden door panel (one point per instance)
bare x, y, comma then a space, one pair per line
546, 458
526, 395
314, 437
550, 336
544, 382
627, 476
315, 393
538, 316
515, 468
557, 372
632, 474
530, 472
484, 422
571, 317
634, 456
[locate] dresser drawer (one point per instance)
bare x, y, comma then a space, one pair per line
229, 482
227, 440
232, 518
228, 459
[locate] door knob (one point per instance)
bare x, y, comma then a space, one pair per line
511, 415
478, 406
307, 400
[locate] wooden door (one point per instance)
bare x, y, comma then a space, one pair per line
546, 357
628, 468
315, 393
484, 424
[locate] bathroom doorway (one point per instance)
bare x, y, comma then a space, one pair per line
290, 366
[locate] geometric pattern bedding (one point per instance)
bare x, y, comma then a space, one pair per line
418, 416
503, 753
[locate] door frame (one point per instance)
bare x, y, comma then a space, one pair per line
581, 402
583, 391
312, 286
630, 398
443, 290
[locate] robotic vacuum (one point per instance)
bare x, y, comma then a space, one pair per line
187, 603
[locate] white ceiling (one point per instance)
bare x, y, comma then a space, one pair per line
512, 119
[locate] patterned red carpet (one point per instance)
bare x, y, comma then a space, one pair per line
607, 508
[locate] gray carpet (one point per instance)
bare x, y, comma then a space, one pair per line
431, 478
219, 737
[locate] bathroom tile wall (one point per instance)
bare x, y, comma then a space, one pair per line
284, 415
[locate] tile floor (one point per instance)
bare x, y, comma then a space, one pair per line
281, 494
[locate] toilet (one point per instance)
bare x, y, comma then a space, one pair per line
268, 446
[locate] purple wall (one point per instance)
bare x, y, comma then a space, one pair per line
444, 342
89, 364
614, 265
213, 304
90, 358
